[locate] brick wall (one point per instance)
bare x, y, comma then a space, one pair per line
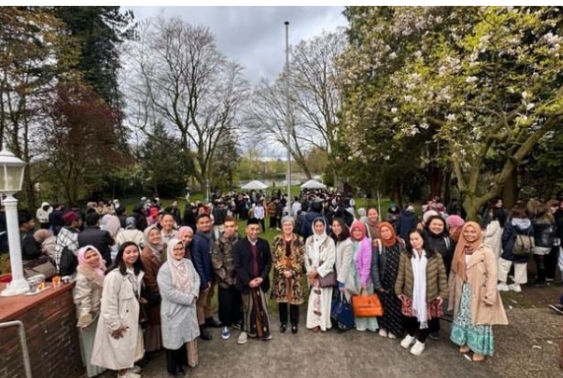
52, 340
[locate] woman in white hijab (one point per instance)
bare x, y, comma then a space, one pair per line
319, 262
178, 282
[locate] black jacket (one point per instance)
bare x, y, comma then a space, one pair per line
30, 249
243, 264
101, 239
544, 233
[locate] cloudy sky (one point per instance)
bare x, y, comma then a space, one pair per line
255, 36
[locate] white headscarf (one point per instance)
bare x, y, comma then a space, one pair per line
181, 279
319, 239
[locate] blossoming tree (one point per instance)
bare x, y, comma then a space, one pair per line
480, 82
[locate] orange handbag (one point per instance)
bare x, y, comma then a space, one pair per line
367, 306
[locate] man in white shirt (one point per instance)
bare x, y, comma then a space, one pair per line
296, 207
259, 214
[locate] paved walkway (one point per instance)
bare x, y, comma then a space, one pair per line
528, 347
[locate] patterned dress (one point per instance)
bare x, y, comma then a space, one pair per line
392, 319
479, 338
288, 290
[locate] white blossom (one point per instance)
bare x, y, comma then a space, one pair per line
471, 79
408, 98
393, 55
393, 110
524, 95
451, 117
530, 106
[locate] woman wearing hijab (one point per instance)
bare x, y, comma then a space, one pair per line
152, 259
319, 261
455, 223
186, 235
421, 286
87, 295
474, 297
179, 286
384, 269
362, 285
119, 338
287, 258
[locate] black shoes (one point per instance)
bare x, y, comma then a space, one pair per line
294, 328
283, 327
204, 333
212, 323
177, 372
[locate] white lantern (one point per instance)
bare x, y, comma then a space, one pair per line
11, 181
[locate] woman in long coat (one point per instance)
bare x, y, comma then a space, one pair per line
384, 269
319, 261
474, 297
87, 295
179, 287
152, 258
344, 255
119, 339
362, 285
288, 255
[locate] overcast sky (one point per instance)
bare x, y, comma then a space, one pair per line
255, 36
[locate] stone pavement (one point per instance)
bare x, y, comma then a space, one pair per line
528, 347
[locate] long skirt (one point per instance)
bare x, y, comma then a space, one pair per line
318, 308
392, 319
87, 336
479, 338
255, 314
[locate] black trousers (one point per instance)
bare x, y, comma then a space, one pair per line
434, 325
230, 306
413, 327
551, 262
293, 313
176, 358
273, 222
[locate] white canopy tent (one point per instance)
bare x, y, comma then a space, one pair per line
313, 184
255, 185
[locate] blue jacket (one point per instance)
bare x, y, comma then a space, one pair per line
307, 225
201, 257
406, 222
516, 226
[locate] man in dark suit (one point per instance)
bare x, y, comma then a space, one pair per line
253, 260
93, 235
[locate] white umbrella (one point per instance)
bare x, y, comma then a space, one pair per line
313, 184
254, 185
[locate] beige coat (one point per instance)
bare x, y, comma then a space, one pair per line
486, 303
87, 297
120, 307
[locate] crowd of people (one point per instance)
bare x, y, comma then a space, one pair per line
145, 280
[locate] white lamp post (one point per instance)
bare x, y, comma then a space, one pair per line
11, 180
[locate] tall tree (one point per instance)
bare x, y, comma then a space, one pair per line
99, 32
487, 80
35, 54
180, 76
78, 141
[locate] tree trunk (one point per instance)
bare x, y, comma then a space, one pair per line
435, 181
510, 190
447, 187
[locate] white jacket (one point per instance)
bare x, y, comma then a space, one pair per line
120, 307
42, 215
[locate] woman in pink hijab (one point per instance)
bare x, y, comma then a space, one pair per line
87, 295
455, 223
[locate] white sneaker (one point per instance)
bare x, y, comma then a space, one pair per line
361, 329
515, 287
408, 341
383, 333
417, 348
242, 338
391, 336
502, 287
136, 369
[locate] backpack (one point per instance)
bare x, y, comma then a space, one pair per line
523, 246
68, 262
